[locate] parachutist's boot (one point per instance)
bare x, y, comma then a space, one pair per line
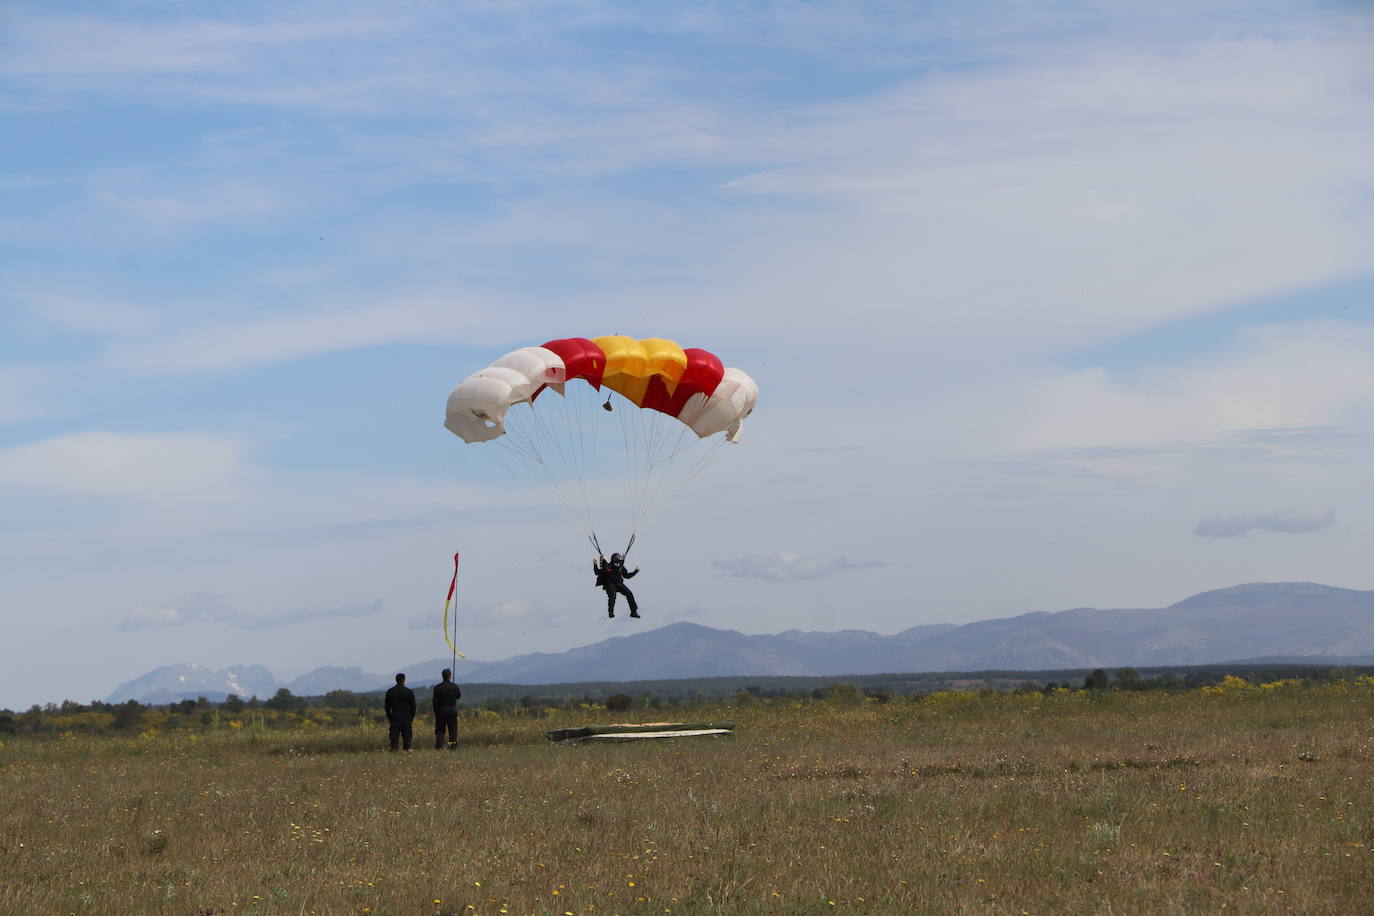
610, 614
634, 613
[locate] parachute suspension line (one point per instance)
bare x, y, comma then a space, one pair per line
707, 458
554, 446
656, 469
671, 439
653, 433
569, 444
653, 442
521, 444
573, 432
579, 418
681, 444
551, 492
653, 422
636, 443
557, 446
587, 464
664, 447
631, 440
627, 418
504, 455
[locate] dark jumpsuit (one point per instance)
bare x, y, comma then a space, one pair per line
610, 576
446, 696
400, 713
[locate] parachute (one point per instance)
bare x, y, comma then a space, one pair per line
670, 401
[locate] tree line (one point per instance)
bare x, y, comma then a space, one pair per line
346, 707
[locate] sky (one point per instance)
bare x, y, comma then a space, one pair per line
1050, 305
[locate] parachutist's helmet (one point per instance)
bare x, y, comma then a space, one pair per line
616, 558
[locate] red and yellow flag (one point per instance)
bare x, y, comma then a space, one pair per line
451, 586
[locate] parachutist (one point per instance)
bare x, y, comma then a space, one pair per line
668, 394
611, 576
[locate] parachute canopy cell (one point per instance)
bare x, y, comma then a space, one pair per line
691, 385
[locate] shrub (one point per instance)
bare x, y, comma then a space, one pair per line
1097, 680
841, 693
285, 701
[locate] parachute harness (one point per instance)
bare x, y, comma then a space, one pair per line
596, 545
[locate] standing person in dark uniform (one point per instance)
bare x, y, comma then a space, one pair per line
611, 576
446, 711
400, 711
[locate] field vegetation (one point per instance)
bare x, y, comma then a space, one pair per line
1239, 796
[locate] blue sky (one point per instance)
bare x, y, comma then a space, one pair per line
1050, 305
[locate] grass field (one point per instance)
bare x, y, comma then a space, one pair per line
1247, 799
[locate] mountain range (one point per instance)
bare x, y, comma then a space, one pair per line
172, 683
1259, 621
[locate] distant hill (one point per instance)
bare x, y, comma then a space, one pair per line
1293, 621
172, 683
322, 680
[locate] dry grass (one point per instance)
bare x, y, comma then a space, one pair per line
1251, 801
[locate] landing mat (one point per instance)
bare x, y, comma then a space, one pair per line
644, 730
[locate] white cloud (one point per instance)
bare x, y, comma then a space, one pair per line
81, 313
1276, 376
168, 491
152, 618
513, 610
24, 392
1040, 206
1055, 200
294, 335
162, 206
787, 567
1007, 225
122, 465
87, 46
210, 609
483, 616
327, 60
1297, 520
